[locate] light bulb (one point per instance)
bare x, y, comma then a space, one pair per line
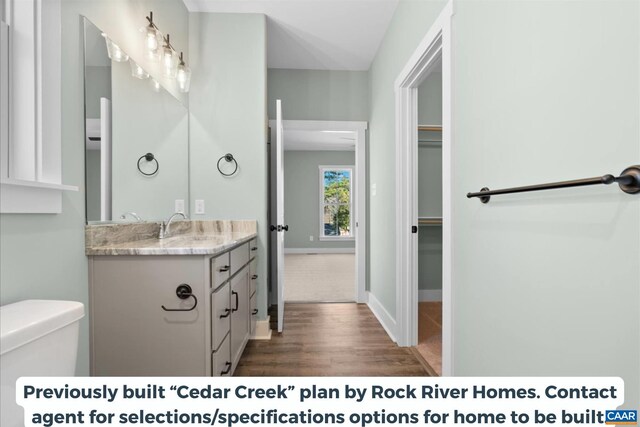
183, 77
169, 62
152, 42
137, 71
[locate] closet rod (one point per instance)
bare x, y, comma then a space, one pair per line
430, 221
430, 128
629, 182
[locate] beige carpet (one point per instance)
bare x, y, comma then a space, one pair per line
319, 277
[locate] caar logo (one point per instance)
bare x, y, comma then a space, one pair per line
621, 417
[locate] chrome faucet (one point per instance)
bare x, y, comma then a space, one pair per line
133, 214
164, 226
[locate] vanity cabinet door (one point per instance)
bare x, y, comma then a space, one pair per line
220, 270
221, 359
253, 248
131, 333
239, 257
253, 314
240, 314
220, 315
253, 276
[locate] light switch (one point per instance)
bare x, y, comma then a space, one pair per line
200, 207
374, 189
179, 205
311, 238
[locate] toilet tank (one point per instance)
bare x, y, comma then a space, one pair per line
37, 338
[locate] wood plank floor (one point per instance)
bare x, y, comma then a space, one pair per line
328, 340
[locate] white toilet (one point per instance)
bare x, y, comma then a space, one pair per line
37, 338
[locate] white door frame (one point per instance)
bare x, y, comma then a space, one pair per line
360, 129
436, 46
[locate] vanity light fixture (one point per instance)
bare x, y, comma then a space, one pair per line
158, 46
152, 39
183, 76
113, 50
137, 71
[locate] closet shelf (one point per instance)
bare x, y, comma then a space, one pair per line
429, 220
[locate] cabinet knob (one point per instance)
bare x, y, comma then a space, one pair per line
255, 311
254, 277
224, 268
227, 313
255, 248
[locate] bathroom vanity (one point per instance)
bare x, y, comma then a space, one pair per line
184, 305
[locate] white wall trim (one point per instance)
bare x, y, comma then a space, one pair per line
383, 316
319, 250
31, 180
435, 46
263, 330
430, 295
360, 191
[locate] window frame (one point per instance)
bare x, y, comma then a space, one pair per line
321, 171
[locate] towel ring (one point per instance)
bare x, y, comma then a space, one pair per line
229, 158
149, 157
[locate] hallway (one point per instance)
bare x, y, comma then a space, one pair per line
329, 340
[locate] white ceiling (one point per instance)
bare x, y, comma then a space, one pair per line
315, 34
315, 140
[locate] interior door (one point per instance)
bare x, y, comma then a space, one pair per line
280, 228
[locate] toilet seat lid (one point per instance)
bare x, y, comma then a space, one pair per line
26, 321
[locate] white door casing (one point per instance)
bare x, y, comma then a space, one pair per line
435, 46
280, 213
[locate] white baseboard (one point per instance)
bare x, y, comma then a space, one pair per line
430, 295
319, 250
385, 319
263, 330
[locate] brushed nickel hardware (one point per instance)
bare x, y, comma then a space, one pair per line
164, 227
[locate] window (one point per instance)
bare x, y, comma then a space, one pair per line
336, 202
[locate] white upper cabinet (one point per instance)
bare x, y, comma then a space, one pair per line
30, 118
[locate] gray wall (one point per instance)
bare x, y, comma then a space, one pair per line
98, 85
54, 244
410, 22
302, 196
228, 115
539, 280
319, 94
146, 121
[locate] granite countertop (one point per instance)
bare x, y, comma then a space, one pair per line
188, 238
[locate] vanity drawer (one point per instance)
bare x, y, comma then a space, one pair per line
239, 257
253, 276
253, 248
253, 312
220, 270
220, 314
221, 359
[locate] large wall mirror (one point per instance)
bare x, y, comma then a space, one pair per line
136, 138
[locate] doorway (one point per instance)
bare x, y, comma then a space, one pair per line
434, 53
324, 235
